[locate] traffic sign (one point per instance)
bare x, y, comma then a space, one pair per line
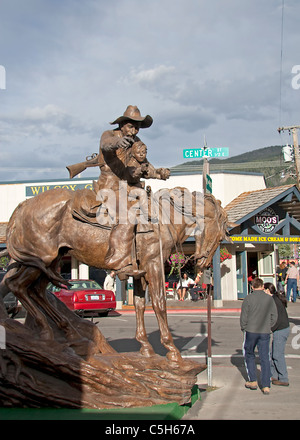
199, 153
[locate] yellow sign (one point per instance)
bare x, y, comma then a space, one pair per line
35, 190
263, 239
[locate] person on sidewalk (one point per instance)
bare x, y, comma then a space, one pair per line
281, 331
258, 316
110, 281
292, 278
197, 291
281, 275
183, 286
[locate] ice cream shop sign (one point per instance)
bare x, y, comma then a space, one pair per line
266, 220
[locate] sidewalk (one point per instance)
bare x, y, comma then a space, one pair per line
188, 306
230, 400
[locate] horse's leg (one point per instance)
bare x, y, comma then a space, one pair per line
4, 290
139, 304
157, 293
59, 318
20, 284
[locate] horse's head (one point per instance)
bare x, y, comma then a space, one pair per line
195, 214
212, 230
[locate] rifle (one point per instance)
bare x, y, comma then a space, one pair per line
91, 161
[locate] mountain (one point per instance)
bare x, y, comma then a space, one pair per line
268, 161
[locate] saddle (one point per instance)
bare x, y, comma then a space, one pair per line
86, 208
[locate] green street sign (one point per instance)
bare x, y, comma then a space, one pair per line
208, 183
199, 153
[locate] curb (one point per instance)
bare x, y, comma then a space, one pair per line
176, 311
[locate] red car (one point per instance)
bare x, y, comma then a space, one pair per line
85, 297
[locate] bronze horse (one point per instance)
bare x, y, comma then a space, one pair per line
42, 229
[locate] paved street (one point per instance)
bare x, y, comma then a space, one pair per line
189, 330
229, 400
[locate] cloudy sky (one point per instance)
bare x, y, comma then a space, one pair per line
198, 67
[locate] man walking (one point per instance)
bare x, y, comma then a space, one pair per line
292, 278
258, 315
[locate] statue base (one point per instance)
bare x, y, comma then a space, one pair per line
37, 373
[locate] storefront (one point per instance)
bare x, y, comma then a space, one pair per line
263, 219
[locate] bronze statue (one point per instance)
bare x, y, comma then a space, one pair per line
122, 158
58, 359
40, 231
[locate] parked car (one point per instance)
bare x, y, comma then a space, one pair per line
85, 297
12, 304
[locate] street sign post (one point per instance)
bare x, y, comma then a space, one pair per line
208, 183
206, 153
199, 153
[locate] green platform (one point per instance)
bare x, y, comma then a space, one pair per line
170, 411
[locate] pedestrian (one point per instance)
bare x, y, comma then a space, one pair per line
292, 278
183, 286
197, 291
281, 275
281, 331
258, 315
110, 281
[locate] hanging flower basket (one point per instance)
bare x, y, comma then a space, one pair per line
177, 261
225, 255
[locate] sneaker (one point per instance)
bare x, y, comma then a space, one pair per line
279, 382
251, 385
266, 390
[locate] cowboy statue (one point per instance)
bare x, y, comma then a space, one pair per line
122, 159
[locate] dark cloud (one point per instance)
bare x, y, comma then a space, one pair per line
199, 68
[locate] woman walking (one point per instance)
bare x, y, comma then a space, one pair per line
281, 332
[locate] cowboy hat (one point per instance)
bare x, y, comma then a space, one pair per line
132, 113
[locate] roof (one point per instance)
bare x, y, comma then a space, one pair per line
247, 203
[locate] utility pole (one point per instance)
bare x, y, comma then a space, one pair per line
294, 130
205, 170
205, 173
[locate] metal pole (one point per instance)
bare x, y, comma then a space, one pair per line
209, 363
205, 169
296, 153
294, 129
204, 174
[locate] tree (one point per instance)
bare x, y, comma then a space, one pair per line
285, 250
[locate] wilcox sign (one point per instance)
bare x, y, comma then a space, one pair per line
35, 190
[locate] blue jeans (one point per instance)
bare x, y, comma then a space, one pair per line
278, 364
291, 285
262, 342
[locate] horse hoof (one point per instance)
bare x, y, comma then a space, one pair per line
174, 357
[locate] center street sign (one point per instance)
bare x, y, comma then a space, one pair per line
199, 153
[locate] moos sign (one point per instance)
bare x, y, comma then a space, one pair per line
266, 220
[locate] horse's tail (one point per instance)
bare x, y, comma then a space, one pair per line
28, 238
32, 261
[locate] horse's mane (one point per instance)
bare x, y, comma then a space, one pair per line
191, 206
181, 199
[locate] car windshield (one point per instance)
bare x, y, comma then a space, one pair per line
83, 285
